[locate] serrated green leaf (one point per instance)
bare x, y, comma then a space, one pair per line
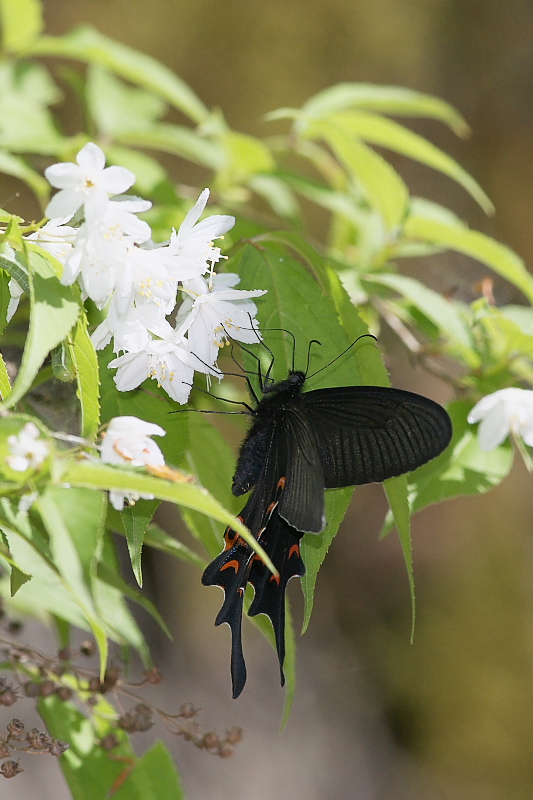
54, 311
136, 520
85, 362
22, 21
457, 236
102, 476
87, 44
384, 132
383, 188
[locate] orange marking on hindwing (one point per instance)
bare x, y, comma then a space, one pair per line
295, 550
233, 564
281, 483
275, 578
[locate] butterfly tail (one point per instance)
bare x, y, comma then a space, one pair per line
282, 544
230, 571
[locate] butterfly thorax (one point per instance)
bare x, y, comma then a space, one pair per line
266, 416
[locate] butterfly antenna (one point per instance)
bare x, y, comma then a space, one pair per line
363, 336
220, 374
313, 341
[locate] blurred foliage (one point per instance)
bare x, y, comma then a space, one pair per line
346, 274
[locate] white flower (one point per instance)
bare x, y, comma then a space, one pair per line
127, 441
16, 291
501, 413
213, 312
143, 277
88, 183
168, 361
131, 331
96, 260
191, 247
27, 449
55, 237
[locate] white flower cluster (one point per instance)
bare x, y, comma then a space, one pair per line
121, 269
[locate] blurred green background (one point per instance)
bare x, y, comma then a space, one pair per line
375, 718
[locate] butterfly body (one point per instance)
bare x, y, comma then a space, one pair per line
300, 444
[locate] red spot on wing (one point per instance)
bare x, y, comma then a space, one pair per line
275, 578
294, 551
281, 483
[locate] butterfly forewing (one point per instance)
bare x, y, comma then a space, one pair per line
367, 434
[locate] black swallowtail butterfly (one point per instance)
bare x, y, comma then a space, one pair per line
299, 444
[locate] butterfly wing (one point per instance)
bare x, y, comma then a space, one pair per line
367, 434
238, 563
282, 544
301, 503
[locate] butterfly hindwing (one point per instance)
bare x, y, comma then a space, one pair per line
238, 565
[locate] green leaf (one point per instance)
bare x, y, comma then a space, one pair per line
149, 173
12, 262
21, 21
117, 108
136, 520
385, 99
423, 224
154, 777
463, 468
159, 539
102, 476
54, 311
315, 548
85, 361
396, 491
74, 519
210, 458
443, 313
5, 383
245, 156
384, 132
179, 141
87, 44
383, 188
89, 770
110, 591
